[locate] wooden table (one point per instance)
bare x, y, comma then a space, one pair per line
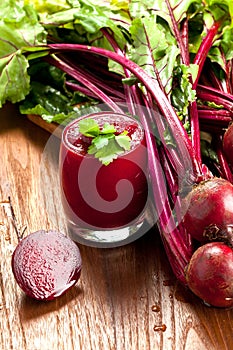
126, 299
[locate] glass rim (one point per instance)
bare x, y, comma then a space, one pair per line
70, 146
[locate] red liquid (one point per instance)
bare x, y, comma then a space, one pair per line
94, 195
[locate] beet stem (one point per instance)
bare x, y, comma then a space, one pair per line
204, 48
226, 172
81, 78
151, 85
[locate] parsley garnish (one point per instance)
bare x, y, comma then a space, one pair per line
105, 144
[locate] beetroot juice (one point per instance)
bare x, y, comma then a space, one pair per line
103, 199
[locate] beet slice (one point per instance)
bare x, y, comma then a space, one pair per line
46, 264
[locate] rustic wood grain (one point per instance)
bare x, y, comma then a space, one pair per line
126, 299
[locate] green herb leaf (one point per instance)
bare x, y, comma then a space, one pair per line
107, 153
105, 145
123, 141
89, 127
108, 129
101, 141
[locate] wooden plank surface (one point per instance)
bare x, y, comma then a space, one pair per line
126, 299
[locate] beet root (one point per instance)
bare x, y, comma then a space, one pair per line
209, 274
46, 264
209, 211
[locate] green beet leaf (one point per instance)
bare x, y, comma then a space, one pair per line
16, 33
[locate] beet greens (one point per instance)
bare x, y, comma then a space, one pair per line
169, 64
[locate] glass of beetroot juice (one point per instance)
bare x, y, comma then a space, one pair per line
103, 177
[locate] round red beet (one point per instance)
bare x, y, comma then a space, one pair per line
46, 264
209, 209
228, 143
210, 274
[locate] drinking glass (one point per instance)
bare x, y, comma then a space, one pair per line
104, 205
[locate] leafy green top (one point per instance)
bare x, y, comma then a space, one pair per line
105, 145
145, 35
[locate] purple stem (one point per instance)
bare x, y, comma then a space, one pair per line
228, 85
93, 79
200, 60
207, 93
195, 131
180, 249
177, 243
82, 79
219, 117
82, 89
184, 53
128, 90
225, 169
182, 40
88, 93
208, 78
179, 255
151, 85
204, 48
157, 176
